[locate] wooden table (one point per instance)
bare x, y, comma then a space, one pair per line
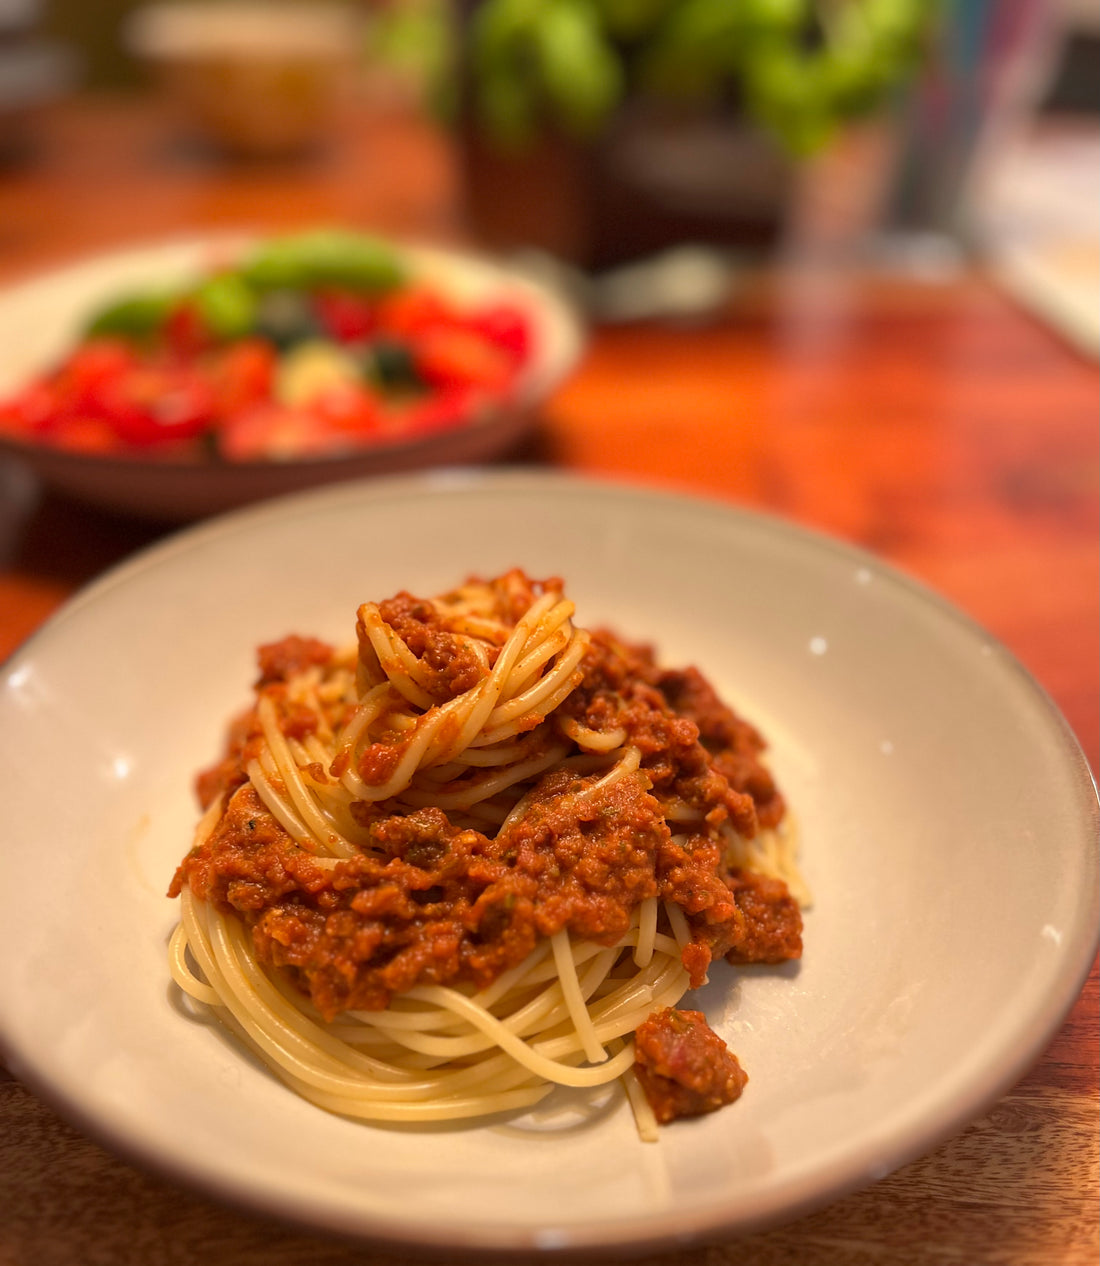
928, 421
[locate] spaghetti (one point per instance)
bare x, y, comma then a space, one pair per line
469, 858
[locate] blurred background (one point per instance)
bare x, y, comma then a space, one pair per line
589, 135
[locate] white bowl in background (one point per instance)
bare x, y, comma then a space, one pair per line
41, 318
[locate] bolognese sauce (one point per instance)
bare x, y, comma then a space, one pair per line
431, 897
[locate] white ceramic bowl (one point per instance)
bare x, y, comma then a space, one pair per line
40, 318
949, 828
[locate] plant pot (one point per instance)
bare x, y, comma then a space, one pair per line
655, 178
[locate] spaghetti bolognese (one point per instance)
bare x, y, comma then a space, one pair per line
480, 853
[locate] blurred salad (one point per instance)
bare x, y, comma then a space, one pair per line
307, 346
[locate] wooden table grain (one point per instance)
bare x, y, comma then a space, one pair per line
928, 421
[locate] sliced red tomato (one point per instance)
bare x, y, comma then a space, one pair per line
346, 317
31, 412
456, 357
408, 313
80, 433
185, 331
90, 372
439, 412
275, 432
352, 410
241, 375
152, 405
506, 326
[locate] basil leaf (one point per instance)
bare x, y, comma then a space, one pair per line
326, 257
131, 316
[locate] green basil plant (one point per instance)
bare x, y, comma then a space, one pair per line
798, 67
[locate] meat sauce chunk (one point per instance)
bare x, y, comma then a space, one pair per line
279, 661
683, 1066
